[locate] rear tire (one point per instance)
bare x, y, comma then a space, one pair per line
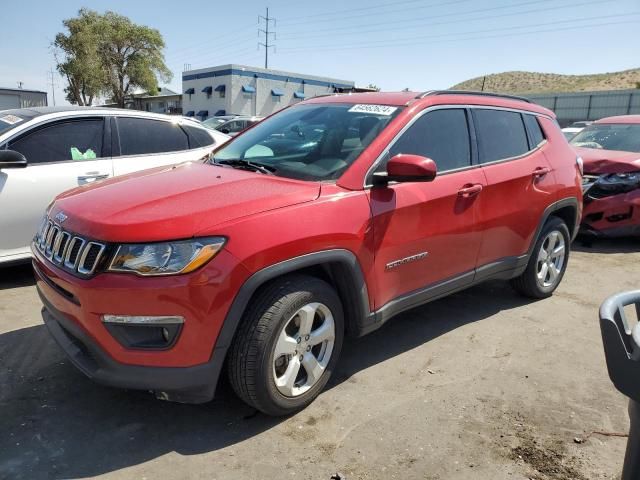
287, 344
548, 261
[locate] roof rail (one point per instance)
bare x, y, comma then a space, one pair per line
472, 92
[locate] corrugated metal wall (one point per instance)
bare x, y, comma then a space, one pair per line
572, 107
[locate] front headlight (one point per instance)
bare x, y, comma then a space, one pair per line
165, 258
616, 180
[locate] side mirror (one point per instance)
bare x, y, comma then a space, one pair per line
225, 130
407, 168
12, 159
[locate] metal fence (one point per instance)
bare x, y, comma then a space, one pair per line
572, 107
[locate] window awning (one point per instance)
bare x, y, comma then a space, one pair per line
248, 89
190, 91
299, 95
190, 113
220, 88
203, 113
207, 90
220, 112
276, 92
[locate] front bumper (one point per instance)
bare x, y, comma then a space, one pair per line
612, 216
183, 384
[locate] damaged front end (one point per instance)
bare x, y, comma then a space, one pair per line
611, 204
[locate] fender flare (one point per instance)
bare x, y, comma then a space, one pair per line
554, 207
345, 258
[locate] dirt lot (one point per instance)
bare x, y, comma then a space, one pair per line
481, 385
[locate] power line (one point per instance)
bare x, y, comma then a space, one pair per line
555, 30
431, 17
343, 17
448, 22
266, 44
516, 27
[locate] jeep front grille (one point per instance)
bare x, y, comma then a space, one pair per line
71, 252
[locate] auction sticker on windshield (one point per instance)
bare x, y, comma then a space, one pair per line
375, 109
11, 119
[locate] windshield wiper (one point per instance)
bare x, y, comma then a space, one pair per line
241, 163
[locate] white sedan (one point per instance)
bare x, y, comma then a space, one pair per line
47, 150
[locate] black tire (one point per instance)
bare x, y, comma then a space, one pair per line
251, 355
528, 284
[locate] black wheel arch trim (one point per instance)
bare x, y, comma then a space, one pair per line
550, 210
342, 257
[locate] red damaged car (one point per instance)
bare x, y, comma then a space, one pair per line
610, 149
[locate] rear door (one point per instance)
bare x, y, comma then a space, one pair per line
520, 181
61, 155
143, 143
426, 233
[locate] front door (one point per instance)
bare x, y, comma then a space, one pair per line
426, 233
60, 156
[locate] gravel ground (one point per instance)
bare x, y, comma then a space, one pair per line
483, 384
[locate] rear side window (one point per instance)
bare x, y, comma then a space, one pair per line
198, 136
535, 132
139, 136
501, 134
442, 135
64, 141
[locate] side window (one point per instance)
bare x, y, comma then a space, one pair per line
501, 134
442, 135
198, 136
63, 141
143, 136
535, 132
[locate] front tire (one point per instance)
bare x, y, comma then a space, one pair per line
548, 261
287, 344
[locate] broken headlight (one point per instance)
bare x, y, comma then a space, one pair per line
614, 184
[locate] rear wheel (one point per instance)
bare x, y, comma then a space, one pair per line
548, 261
287, 345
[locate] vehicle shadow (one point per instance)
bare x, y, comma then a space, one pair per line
606, 245
56, 423
17, 276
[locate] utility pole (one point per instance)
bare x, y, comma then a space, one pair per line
53, 86
484, 79
20, 84
266, 44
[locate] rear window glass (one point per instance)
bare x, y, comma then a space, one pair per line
139, 136
198, 136
501, 134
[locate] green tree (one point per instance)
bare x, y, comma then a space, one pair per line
109, 54
77, 58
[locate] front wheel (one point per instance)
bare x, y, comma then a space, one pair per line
548, 261
287, 345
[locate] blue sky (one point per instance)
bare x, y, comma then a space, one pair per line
420, 44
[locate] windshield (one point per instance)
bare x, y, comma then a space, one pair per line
214, 122
612, 136
10, 119
310, 142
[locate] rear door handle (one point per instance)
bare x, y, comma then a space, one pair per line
470, 190
541, 172
92, 177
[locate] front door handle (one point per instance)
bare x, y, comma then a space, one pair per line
92, 177
541, 172
470, 190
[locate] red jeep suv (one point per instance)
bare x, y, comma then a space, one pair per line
327, 218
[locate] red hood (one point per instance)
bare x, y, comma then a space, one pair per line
175, 202
598, 161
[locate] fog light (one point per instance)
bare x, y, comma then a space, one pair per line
144, 331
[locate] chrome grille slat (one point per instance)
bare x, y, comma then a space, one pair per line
71, 252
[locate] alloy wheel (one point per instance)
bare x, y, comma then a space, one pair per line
551, 259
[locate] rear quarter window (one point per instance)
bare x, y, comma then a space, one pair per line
198, 137
501, 134
535, 132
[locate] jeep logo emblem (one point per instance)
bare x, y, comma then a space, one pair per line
60, 217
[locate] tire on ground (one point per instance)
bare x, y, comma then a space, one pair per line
250, 361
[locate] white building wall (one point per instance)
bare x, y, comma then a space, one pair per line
262, 102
